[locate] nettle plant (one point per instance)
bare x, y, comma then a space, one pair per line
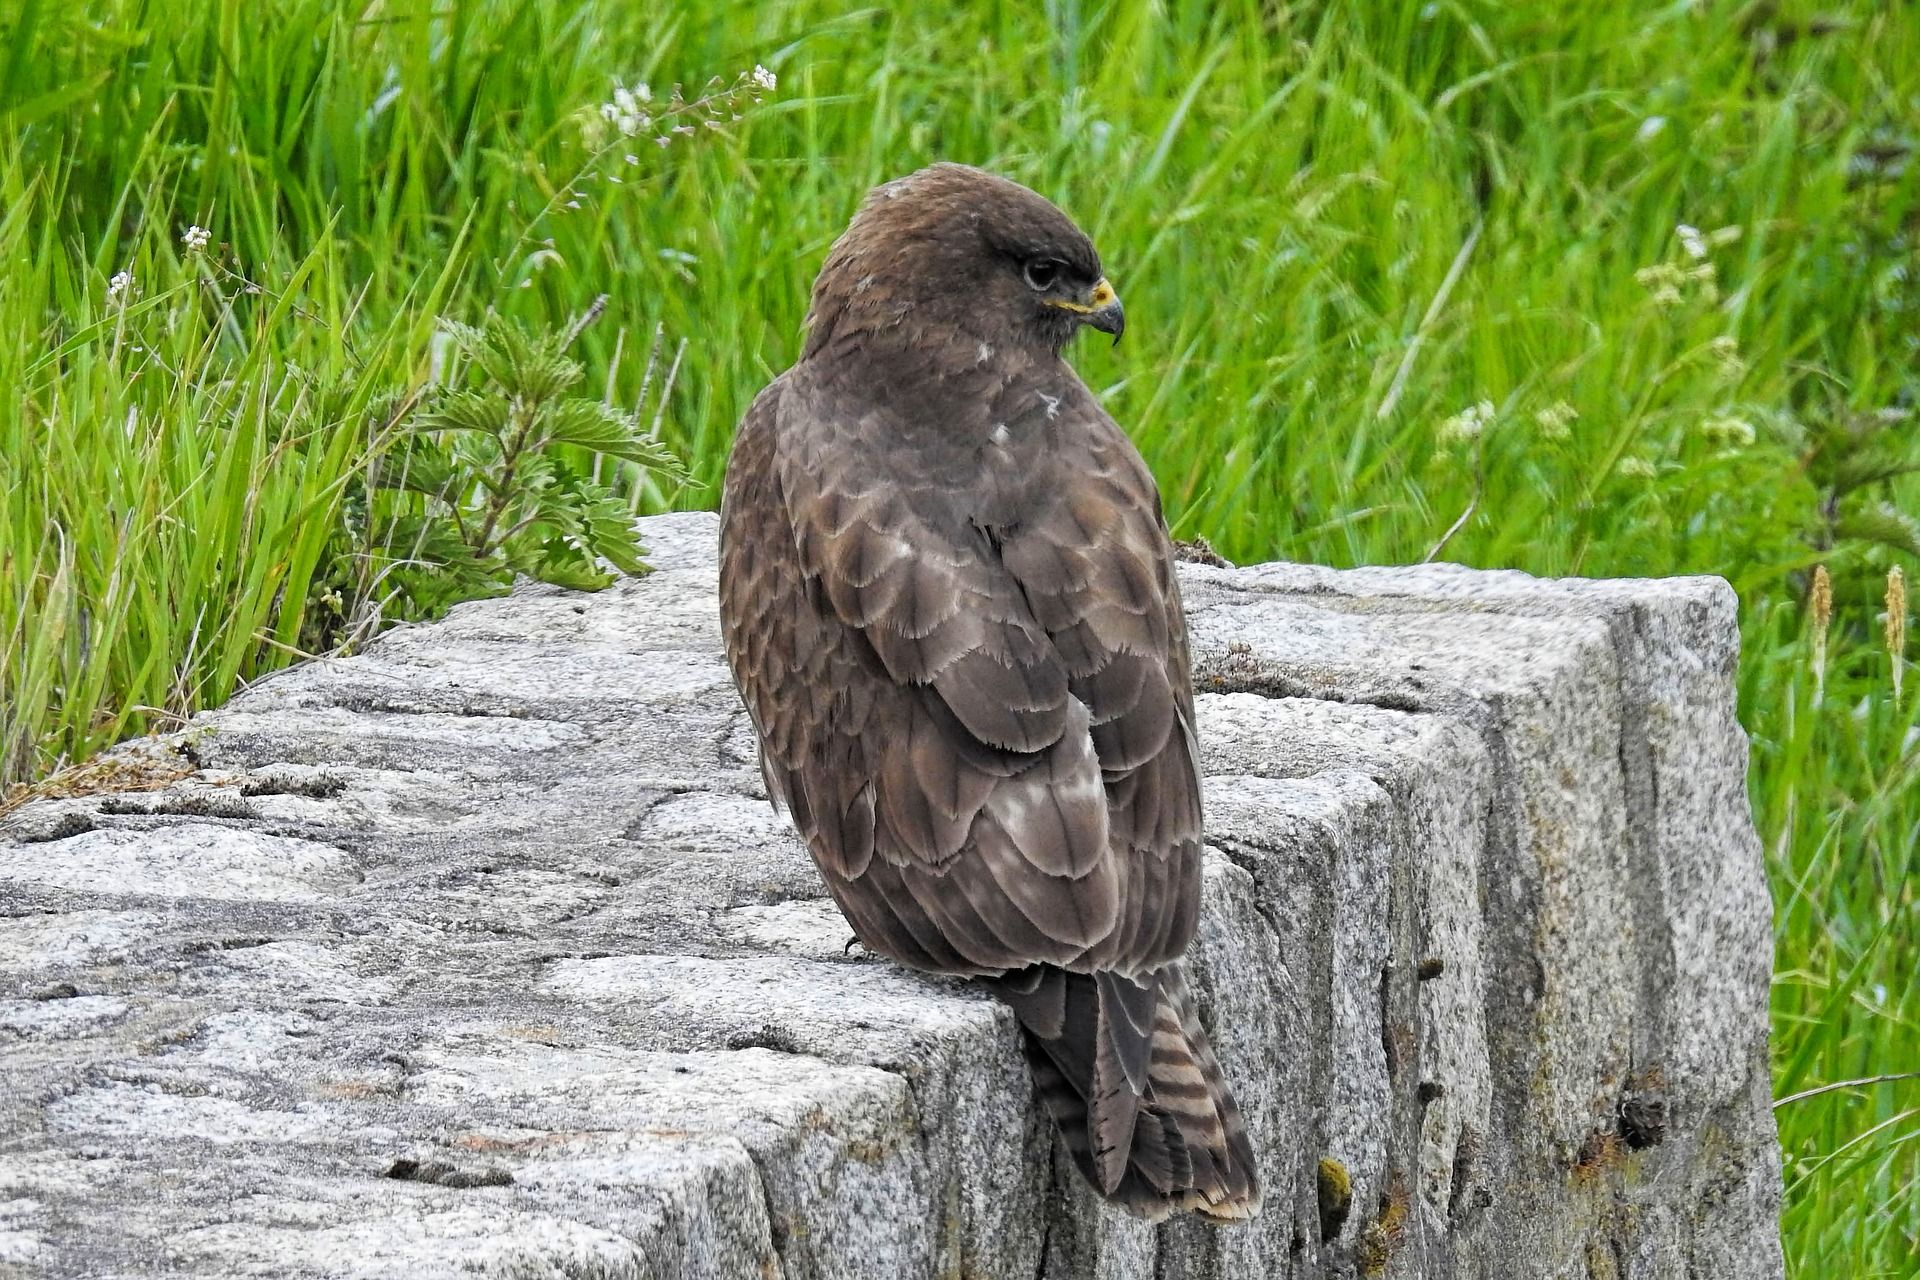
503, 468
502, 462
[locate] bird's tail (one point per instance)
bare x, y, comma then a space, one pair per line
1131, 1081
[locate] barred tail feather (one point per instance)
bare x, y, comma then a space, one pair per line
1133, 1085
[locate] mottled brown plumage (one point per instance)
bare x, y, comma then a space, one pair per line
949, 604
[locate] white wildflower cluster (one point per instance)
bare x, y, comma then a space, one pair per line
122, 287
196, 238
1706, 280
1697, 244
628, 112
1663, 281
1728, 433
633, 112
1468, 424
1671, 282
1556, 420
1725, 351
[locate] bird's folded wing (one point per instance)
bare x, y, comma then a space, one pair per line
985, 735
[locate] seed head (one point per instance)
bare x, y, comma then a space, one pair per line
1821, 602
1897, 624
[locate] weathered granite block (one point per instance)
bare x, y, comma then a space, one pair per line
483, 953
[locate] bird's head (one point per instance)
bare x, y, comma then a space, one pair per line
953, 250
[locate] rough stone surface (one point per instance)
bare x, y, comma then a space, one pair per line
482, 953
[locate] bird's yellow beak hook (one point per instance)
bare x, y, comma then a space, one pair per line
1102, 310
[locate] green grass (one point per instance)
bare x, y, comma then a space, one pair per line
1336, 225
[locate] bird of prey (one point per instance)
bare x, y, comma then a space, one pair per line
949, 603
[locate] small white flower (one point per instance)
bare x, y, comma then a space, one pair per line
627, 111
764, 78
1663, 281
1692, 243
1468, 424
1650, 128
1728, 432
1556, 420
1725, 351
122, 286
1709, 288
1658, 275
195, 238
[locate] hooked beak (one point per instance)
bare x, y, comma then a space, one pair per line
1101, 309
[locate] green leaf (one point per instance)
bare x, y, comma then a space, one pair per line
464, 411
430, 540
590, 424
565, 565
471, 339
54, 101
415, 465
612, 534
475, 455
523, 364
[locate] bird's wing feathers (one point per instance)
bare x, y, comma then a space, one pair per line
984, 732
788, 660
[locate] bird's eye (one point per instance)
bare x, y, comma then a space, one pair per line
1042, 272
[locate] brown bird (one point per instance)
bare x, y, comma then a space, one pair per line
949, 603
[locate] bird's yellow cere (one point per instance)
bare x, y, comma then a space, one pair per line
1102, 295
